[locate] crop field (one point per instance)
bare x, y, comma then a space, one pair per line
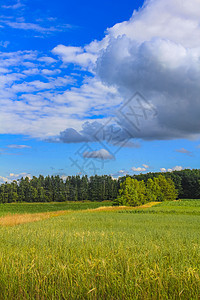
101, 253
21, 208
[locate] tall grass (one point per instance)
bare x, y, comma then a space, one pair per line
97, 255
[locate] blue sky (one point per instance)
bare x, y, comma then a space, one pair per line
98, 88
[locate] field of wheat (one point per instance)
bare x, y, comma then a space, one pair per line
103, 254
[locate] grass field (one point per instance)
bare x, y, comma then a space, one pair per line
21, 208
191, 207
104, 254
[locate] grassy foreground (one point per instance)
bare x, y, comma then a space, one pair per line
104, 255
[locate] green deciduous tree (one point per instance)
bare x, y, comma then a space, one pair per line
132, 192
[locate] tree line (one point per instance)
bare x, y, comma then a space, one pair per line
94, 188
56, 189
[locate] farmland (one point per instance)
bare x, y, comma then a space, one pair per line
147, 253
20, 208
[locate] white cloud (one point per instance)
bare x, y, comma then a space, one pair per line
47, 59
102, 154
50, 72
17, 5
140, 169
76, 55
176, 168
13, 176
145, 166
19, 146
42, 26
4, 179
4, 44
30, 26
123, 172
184, 151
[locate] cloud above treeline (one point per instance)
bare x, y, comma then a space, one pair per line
184, 151
155, 53
101, 154
176, 168
12, 176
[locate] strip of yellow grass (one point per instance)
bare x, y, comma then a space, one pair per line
117, 208
16, 219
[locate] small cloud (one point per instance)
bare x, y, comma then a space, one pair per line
47, 60
16, 176
13, 176
122, 171
4, 179
50, 72
101, 154
17, 5
145, 166
119, 174
20, 23
140, 169
184, 151
19, 146
30, 26
4, 44
176, 168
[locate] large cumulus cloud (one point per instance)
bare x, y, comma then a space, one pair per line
155, 53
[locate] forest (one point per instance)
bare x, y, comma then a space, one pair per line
94, 188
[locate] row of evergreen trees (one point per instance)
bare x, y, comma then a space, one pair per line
54, 188
95, 188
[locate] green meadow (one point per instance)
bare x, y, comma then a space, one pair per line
21, 208
89, 254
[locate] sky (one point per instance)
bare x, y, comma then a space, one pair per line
109, 87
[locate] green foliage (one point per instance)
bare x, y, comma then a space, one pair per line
187, 182
161, 189
134, 193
